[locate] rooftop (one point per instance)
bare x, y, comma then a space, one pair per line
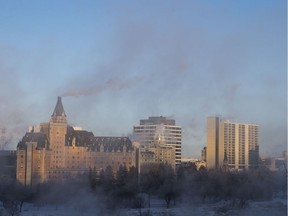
59, 110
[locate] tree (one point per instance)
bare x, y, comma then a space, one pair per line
139, 203
167, 191
92, 178
24, 194
108, 178
13, 195
121, 175
167, 188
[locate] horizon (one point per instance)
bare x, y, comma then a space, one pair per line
131, 134
113, 64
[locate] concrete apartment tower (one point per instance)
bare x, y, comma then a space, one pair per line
214, 148
160, 131
231, 144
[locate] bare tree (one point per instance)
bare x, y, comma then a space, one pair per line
140, 202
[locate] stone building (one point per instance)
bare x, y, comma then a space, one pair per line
55, 151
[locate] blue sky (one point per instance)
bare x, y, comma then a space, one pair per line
116, 62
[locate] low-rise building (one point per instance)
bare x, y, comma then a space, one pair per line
156, 154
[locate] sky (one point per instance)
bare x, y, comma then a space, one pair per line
116, 62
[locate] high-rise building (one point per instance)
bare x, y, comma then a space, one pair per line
231, 144
160, 131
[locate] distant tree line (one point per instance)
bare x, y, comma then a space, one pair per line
127, 189
187, 183
238, 187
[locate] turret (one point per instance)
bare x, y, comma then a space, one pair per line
57, 134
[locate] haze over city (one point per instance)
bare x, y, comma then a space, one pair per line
115, 63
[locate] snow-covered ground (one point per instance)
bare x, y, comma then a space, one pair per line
276, 207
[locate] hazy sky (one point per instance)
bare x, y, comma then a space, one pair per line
117, 62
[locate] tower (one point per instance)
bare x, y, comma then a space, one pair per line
215, 148
231, 144
57, 133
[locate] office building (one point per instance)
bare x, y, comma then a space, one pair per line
160, 131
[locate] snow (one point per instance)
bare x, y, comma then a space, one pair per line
275, 207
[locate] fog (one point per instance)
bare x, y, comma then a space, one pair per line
156, 189
188, 60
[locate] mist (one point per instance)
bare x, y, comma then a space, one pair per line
156, 190
114, 63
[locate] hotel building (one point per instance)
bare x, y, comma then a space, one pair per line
55, 151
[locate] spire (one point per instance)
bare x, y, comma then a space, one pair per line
59, 110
